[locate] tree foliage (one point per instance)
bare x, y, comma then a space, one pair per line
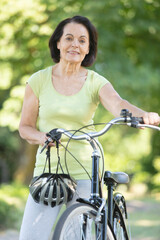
129, 43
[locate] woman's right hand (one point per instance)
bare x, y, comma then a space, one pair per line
151, 118
45, 138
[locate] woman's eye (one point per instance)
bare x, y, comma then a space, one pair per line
82, 41
68, 39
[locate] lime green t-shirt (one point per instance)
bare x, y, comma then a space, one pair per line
67, 112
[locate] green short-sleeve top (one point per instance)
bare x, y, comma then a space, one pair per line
67, 112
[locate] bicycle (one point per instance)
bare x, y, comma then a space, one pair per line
97, 217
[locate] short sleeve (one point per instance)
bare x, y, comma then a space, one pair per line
97, 82
35, 82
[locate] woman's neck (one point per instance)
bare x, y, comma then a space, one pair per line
68, 69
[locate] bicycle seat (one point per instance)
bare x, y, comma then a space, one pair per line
115, 177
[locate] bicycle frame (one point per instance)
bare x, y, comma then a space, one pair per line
95, 190
95, 171
96, 199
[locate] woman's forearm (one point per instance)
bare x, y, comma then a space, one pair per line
148, 117
137, 112
114, 104
32, 135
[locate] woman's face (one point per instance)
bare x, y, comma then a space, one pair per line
74, 43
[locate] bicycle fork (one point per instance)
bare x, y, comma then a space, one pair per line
95, 193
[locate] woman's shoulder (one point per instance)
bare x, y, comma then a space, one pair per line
95, 83
42, 72
39, 76
96, 77
39, 79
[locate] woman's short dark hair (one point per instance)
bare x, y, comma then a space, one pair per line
91, 56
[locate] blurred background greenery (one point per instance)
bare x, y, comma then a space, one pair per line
128, 56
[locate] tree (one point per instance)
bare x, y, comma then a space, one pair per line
127, 56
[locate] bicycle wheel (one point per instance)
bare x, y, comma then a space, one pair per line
119, 225
79, 222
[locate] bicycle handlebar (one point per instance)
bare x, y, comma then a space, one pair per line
126, 119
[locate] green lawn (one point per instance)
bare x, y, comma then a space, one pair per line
12, 202
144, 212
144, 216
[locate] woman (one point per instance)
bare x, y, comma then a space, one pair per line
66, 95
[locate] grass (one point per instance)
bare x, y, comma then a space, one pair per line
144, 218
12, 202
144, 211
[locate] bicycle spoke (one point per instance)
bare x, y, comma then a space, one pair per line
79, 222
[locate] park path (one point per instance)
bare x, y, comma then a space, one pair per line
132, 206
9, 235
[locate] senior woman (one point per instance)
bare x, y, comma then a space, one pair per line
66, 95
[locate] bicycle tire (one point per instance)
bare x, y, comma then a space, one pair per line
119, 223
76, 224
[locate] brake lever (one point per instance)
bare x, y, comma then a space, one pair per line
46, 144
53, 136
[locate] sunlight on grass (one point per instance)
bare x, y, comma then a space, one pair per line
14, 193
146, 223
143, 210
12, 201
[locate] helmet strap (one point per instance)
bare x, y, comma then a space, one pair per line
59, 159
47, 159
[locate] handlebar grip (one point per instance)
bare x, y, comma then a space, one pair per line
54, 135
138, 119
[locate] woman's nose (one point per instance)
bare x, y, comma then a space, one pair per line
75, 43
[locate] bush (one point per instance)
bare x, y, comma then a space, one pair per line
12, 201
9, 215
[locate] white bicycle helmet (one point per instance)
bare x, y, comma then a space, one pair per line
52, 189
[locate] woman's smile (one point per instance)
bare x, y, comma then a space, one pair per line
73, 52
74, 43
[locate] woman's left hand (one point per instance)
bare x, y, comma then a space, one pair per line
151, 118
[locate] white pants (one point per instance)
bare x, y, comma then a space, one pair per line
39, 219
